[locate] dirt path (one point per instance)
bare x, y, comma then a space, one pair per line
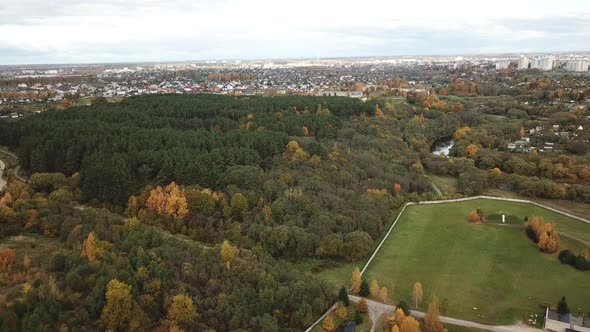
2, 180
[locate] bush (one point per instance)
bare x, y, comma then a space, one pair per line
405, 307
581, 264
358, 318
567, 257
58, 263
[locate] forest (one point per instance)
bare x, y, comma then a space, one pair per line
196, 211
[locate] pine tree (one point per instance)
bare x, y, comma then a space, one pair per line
364, 289
562, 307
343, 296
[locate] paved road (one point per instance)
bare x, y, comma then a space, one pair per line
377, 309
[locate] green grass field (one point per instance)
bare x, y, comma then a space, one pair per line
494, 268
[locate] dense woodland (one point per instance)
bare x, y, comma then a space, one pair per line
193, 211
239, 187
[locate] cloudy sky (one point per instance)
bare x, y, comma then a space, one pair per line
83, 31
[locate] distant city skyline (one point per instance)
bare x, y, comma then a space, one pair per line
114, 31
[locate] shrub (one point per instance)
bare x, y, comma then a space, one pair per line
582, 264
358, 318
405, 307
567, 257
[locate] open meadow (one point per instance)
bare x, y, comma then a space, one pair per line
489, 266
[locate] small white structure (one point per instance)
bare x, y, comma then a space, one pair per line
503, 218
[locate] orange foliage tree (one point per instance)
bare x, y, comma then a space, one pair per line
461, 133
431, 319
471, 150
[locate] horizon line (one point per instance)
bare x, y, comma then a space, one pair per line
151, 62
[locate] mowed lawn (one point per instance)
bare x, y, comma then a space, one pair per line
494, 268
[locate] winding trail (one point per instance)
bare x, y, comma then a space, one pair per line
16, 169
434, 186
2, 180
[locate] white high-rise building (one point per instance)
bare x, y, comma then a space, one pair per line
523, 63
577, 65
542, 63
502, 64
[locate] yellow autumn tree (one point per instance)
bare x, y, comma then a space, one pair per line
384, 294
132, 207
546, 236
431, 319
116, 313
417, 293
395, 328
374, 289
328, 324
409, 324
399, 316
379, 113
168, 201
294, 152
356, 280
26, 262
495, 170
90, 248
341, 311
267, 213
176, 205
305, 131
228, 252
181, 310
549, 241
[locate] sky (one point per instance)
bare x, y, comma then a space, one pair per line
87, 31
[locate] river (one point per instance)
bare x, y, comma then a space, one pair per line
442, 146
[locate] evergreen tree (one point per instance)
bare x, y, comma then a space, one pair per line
343, 296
